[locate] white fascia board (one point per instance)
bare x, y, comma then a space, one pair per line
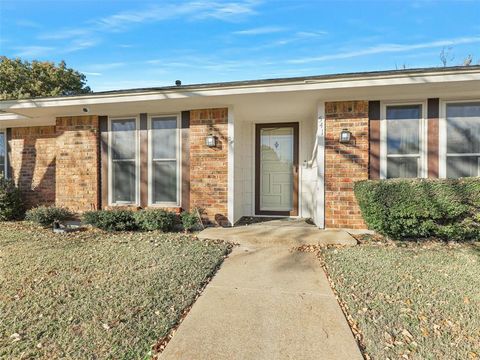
304, 85
12, 116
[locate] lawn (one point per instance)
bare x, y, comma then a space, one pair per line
411, 301
96, 295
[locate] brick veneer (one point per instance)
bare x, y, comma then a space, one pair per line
345, 163
209, 166
32, 161
57, 164
77, 163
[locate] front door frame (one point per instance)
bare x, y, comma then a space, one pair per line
295, 169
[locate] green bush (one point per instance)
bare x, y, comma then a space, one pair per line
111, 220
189, 220
154, 219
416, 208
46, 215
11, 206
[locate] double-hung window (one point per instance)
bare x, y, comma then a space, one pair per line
3, 154
123, 161
460, 132
402, 146
164, 160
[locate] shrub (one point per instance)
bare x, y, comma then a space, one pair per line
154, 220
414, 208
46, 215
11, 207
111, 220
189, 220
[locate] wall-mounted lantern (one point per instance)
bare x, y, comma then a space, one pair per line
211, 141
345, 136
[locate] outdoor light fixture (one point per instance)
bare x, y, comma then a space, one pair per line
345, 136
211, 141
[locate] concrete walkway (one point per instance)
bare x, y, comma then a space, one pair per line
282, 232
266, 302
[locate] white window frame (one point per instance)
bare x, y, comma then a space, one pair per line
178, 159
137, 161
423, 136
442, 135
4, 133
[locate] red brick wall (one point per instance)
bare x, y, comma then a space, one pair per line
77, 163
209, 166
33, 159
57, 164
345, 163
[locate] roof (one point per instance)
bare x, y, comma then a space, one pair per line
306, 79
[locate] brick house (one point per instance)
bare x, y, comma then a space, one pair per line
281, 147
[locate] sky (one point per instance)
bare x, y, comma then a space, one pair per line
122, 44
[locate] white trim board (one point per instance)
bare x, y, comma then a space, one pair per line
423, 135
319, 216
231, 167
137, 161
4, 133
367, 80
178, 152
442, 133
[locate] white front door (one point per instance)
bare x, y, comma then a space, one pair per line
277, 169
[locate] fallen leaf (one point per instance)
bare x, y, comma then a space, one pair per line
15, 337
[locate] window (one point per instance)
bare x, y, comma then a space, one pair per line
3, 154
123, 161
164, 154
462, 134
403, 143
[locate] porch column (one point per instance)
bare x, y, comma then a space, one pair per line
231, 167
319, 211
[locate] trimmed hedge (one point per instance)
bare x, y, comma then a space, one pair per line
189, 220
46, 215
11, 206
154, 219
111, 220
128, 220
418, 208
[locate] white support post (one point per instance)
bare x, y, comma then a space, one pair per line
320, 191
231, 167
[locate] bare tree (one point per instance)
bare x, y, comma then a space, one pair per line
468, 60
446, 55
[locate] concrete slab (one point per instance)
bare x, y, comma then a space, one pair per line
275, 268
265, 303
284, 235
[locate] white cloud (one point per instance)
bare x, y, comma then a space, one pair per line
28, 23
387, 48
80, 44
89, 34
260, 30
104, 66
64, 34
310, 34
91, 73
33, 51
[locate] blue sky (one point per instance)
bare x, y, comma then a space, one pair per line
127, 44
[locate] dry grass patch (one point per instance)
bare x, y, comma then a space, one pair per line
94, 294
411, 301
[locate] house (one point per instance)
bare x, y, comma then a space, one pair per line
281, 147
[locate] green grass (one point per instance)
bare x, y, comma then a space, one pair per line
413, 300
96, 295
